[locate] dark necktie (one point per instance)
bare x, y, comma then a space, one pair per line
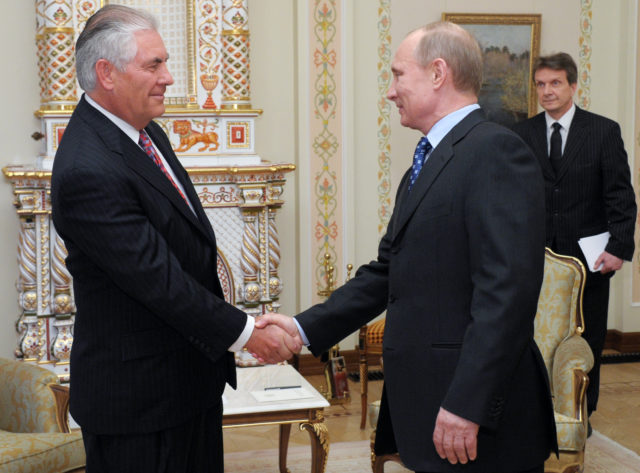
555, 152
147, 146
418, 160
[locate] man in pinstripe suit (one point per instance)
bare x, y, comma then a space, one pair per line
153, 335
588, 189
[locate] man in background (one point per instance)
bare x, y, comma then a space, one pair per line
588, 191
459, 272
154, 337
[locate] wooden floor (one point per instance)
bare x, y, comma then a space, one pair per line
617, 415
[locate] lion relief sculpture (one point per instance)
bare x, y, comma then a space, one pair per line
189, 137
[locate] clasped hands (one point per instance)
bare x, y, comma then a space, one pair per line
275, 338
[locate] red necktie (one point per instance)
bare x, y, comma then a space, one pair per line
147, 146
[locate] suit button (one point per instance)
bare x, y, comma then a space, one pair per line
395, 250
392, 299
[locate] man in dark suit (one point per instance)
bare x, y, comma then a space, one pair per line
459, 272
153, 334
588, 190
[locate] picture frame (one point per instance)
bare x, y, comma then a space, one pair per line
509, 43
339, 384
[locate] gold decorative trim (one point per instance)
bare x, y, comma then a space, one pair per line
28, 174
235, 32
54, 29
242, 169
192, 81
61, 110
236, 106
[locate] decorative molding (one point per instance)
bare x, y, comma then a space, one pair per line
384, 114
584, 55
326, 132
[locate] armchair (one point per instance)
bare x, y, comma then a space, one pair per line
34, 430
369, 343
558, 327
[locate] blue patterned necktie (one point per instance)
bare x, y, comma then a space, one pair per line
418, 160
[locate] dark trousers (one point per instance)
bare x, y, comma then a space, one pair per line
595, 306
537, 469
193, 447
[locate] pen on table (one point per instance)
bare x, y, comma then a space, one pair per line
283, 387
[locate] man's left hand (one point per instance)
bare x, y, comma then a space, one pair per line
609, 263
455, 438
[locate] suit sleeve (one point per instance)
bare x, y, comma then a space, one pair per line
504, 216
354, 304
618, 195
102, 216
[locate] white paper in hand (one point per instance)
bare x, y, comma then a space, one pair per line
592, 247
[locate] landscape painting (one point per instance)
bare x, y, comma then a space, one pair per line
509, 44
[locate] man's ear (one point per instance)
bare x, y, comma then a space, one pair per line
104, 74
439, 72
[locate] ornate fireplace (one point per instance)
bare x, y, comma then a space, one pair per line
210, 122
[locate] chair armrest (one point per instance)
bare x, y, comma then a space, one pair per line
572, 361
61, 395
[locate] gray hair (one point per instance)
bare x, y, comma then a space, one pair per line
109, 34
459, 49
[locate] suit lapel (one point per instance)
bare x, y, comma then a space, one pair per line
432, 168
183, 177
575, 140
135, 158
141, 164
539, 145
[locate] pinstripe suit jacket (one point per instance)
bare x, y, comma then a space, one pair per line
592, 191
152, 328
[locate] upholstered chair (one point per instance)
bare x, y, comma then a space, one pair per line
558, 327
34, 430
369, 344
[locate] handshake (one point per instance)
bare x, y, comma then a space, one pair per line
275, 338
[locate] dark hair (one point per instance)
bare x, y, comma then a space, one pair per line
557, 62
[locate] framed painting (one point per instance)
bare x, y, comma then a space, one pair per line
509, 45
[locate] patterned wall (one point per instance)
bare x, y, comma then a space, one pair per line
326, 139
584, 55
384, 112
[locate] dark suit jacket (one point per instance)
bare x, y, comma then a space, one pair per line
592, 191
152, 329
459, 271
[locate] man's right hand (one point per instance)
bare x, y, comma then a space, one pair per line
273, 342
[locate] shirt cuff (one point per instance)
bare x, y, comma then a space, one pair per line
242, 340
305, 340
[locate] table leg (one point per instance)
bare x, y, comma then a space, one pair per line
285, 430
319, 443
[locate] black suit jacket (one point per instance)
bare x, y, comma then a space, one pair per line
459, 272
152, 329
592, 191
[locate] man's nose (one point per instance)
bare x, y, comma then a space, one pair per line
166, 77
391, 93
